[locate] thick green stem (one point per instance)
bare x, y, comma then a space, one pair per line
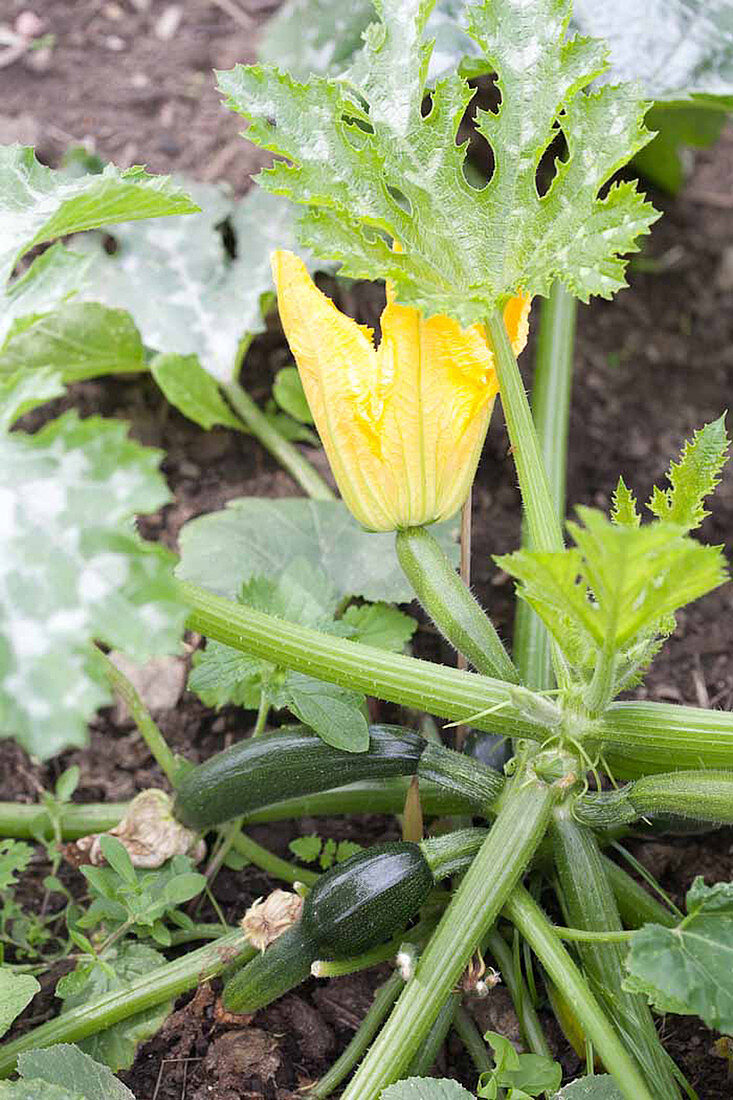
702, 795
444, 691
451, 853
286, 453
647, 738
588, 903
384, 998
162, 984
27, 822
526, 915
450, 604
429, 1049
553, 377
370, 796
636, 738
142, 718
539, 507
529, 1021
495, 870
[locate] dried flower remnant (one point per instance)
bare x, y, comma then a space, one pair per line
267, 918
148, 830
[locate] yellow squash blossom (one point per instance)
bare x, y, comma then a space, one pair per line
402, 424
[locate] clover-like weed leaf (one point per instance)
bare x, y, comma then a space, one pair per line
374, 170
73, 569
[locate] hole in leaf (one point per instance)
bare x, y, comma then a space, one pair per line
555, 153
427, 104
400, 198
478, 167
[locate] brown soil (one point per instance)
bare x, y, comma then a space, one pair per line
650, 367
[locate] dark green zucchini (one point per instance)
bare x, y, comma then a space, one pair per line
285, 964
358, 904
366, 899
295, 761
261, 770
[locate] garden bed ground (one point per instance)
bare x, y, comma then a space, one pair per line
650, 368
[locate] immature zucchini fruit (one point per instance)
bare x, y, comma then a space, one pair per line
276, 766
295, 761
358, 904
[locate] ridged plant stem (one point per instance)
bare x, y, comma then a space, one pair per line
588, 904
494, 872
553, 376
526, 915
450, 604
637, 738
161, 984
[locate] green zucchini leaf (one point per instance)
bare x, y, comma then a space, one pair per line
689, 969
693, 477
73, 570
38, 204
16, 993
676, 49
371, 169
193, 391
185, 291
223, 550
36, 1090
116, 1045
78, 340
601, 1087
70, 1068
381, 625
53, 276
426, 1088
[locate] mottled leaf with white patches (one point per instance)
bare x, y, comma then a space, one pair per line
38, 204
371, 169
73, 569
185, 292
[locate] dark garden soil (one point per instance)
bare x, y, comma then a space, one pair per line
650, 367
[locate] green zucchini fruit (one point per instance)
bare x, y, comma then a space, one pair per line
276, 766
285, 964
294, 761
355, 906
366, 899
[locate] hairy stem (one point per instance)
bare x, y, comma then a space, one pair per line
444, 691
495, 870
450, 604
553, 376
539, 507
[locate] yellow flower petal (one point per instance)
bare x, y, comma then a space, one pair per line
403, 425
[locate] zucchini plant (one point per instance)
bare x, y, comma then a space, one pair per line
375, 165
